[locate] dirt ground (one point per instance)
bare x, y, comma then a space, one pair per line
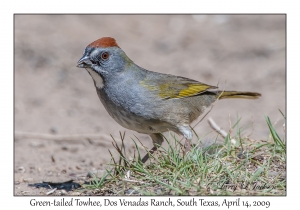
52, 96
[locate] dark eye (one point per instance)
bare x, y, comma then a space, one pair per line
104, 55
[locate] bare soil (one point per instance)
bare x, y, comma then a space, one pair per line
52, 96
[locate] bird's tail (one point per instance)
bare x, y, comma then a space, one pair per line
238, 94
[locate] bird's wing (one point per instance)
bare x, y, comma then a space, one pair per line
169, 86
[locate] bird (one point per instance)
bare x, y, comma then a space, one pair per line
146, 101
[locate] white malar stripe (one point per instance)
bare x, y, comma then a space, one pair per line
96, 77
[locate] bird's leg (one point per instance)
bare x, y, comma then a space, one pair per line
146, 157
157, 140
187, 146
186, 131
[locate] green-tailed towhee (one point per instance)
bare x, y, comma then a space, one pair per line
145, 101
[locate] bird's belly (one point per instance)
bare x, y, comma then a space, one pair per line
137, 123
132, 121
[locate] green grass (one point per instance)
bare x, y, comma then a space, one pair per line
235, 167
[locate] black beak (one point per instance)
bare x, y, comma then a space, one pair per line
83, 62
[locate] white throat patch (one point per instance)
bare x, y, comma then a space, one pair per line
96, 77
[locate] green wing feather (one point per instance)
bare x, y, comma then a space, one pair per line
175, 87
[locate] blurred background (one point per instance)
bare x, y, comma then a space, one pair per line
52, 96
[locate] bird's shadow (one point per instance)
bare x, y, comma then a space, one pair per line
68, 185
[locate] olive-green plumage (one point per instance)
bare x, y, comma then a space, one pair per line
146, 101
175, 87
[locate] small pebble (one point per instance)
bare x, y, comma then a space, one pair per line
28, 179
37, 144
21, 169
53, 130
158, 191
273, 173
90, 174
63, 192
131, 192
25, 192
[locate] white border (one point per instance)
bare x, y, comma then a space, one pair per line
128, 6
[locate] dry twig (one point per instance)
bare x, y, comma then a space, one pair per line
217, 128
